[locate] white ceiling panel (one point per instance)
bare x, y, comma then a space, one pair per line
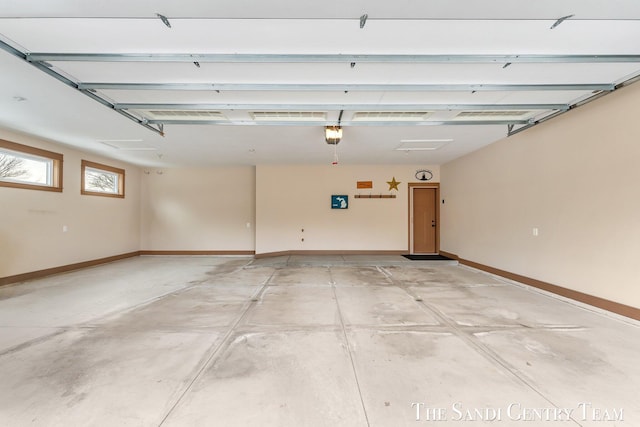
321, 36
434, 9
455, 59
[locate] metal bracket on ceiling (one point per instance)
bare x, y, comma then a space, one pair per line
164, 20
509, 129
593, 97
358, 123
363, 20
330, 58
337, 107
383, 87
48, 69
560, 21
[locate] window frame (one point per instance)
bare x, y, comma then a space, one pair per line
84, 164
57, 160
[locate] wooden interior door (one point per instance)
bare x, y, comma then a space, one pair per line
424, 220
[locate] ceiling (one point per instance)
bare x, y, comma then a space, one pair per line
252, 82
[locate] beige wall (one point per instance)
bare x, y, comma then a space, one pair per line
292, 198
199, 209
31, 221
576, 179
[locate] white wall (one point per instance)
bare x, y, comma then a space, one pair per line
576, 179
199, 209
31, 221
292, 198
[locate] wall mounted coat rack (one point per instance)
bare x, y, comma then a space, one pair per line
375, 196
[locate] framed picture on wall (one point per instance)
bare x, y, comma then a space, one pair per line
339, 201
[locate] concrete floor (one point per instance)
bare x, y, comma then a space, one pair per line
308, 341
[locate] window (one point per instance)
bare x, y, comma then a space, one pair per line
31, 168
102, 180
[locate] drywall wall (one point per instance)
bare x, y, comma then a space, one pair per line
575, 179
31, 221
198, 209
292, 198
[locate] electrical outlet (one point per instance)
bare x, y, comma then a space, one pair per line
535, 231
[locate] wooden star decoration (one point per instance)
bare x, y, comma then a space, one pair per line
393, 184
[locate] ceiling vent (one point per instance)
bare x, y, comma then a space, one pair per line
289, 116
391, 116
422, 144
493, 115
184, 115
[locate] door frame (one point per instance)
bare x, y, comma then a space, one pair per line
412, 186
